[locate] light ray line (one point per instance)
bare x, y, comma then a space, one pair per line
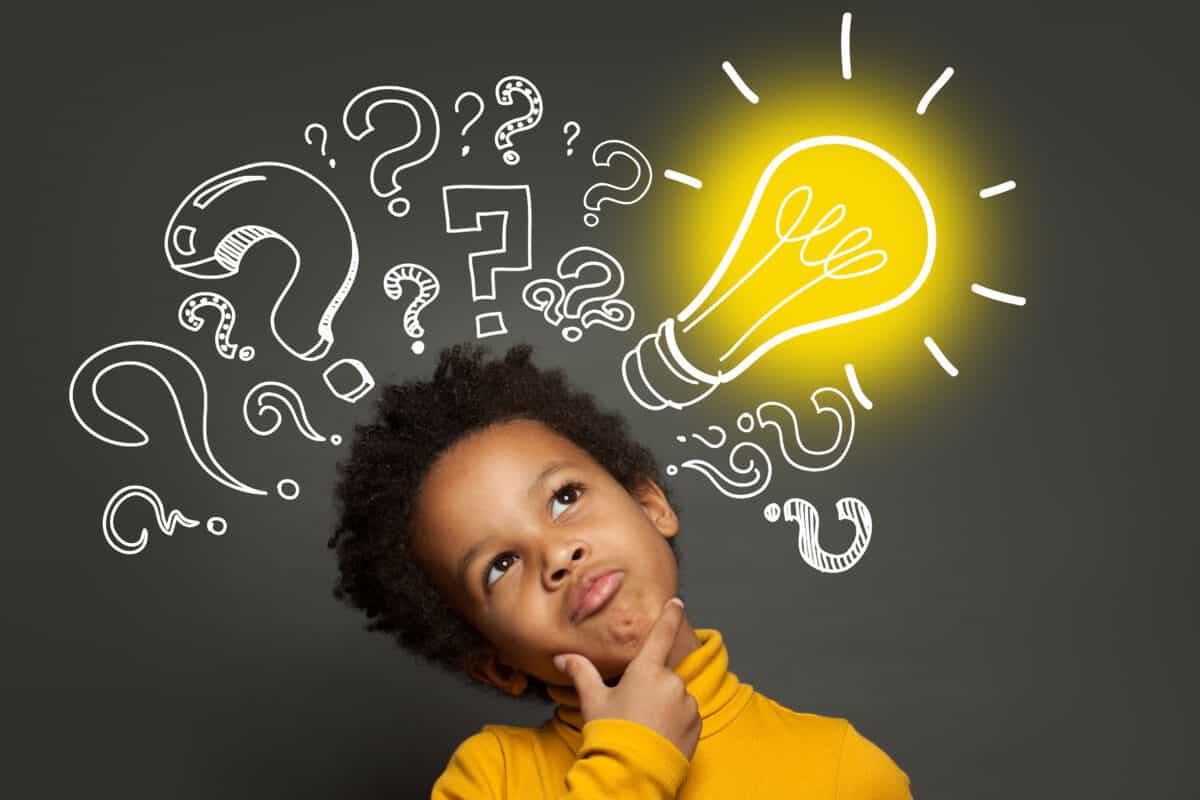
1002, 297
746, 91
682, 177
859, 394
846, 45
940, 356
999, 188
932, 91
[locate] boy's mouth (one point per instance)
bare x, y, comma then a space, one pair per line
594, 592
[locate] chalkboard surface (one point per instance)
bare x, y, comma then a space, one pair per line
1021, 623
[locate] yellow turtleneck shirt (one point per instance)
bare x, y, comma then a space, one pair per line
750, 746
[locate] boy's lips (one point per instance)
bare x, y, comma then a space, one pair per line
590, 594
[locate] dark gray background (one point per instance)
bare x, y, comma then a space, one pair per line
1022, 624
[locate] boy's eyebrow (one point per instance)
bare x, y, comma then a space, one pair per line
551, 468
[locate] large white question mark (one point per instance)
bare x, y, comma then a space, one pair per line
324, 139
603, 156
223, 218
506, 87
428, 287
466, 148
358, 123
571, 135
183, 380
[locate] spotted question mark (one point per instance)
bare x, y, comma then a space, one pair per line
428, 287
506, 88
466, 148
603, 156
357, 119
189, 318
571, 135
324, 139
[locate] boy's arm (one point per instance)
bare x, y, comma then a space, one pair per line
618, 758
867, 773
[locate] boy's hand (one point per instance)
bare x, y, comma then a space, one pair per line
649, 693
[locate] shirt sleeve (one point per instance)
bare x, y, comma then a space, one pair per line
620, 758
475, 771
867, 773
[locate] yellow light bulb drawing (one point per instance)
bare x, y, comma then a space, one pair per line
836, 230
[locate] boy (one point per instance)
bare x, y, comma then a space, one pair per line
498, 524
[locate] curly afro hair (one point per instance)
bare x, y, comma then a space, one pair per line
378, 484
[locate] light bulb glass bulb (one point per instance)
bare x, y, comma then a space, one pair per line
836, 230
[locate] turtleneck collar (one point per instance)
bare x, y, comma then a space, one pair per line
705, 673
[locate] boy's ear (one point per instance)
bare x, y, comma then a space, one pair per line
654, 503
491, 670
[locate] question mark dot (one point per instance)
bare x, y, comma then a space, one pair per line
399, 207
672, 469
571, 333
332, 163
466, 148
771, 512
591, 220
288, 489
745, 422
511, 158
216, 526
418, 347
336, 439
246, 353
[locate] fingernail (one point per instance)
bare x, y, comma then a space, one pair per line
677, 601
560, 662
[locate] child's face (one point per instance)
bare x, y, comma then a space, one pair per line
535, 541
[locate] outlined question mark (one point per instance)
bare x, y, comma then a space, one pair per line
190, 319
167, 523
550, 296
506, 87
270, 397
183, 380
603, 156
466, 148
571, 135
222, 219
428, 287
324, 140
357, 121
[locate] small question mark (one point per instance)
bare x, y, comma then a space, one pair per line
571, 136
167, 523
428, 287
324, 139
183, 380
270, 397
551, 298
726, 485
602, 156
505, 89
356, 119
222, 219
189, 318
466, 148
808, 521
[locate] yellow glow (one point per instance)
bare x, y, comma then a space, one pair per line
728, 145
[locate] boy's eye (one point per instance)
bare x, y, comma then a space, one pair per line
567, 494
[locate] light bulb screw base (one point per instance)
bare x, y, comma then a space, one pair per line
658, 375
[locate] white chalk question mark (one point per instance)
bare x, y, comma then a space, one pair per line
358, 123
270, 397
324, 139
466, 148
505, 89
428, 287
571, 135
602, 156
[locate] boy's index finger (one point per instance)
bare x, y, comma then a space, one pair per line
657, 645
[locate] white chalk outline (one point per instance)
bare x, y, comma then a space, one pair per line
937, 353
491, 317
602, 156
356, 121
466, 148
366, 381
999, 188
738, 490
681, 177
216, 471
506, 87
737, 81
856, 389
846, 45
1001, 297
226, 257
805, 514
263, 393
932, 91
166, 522
189, 317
